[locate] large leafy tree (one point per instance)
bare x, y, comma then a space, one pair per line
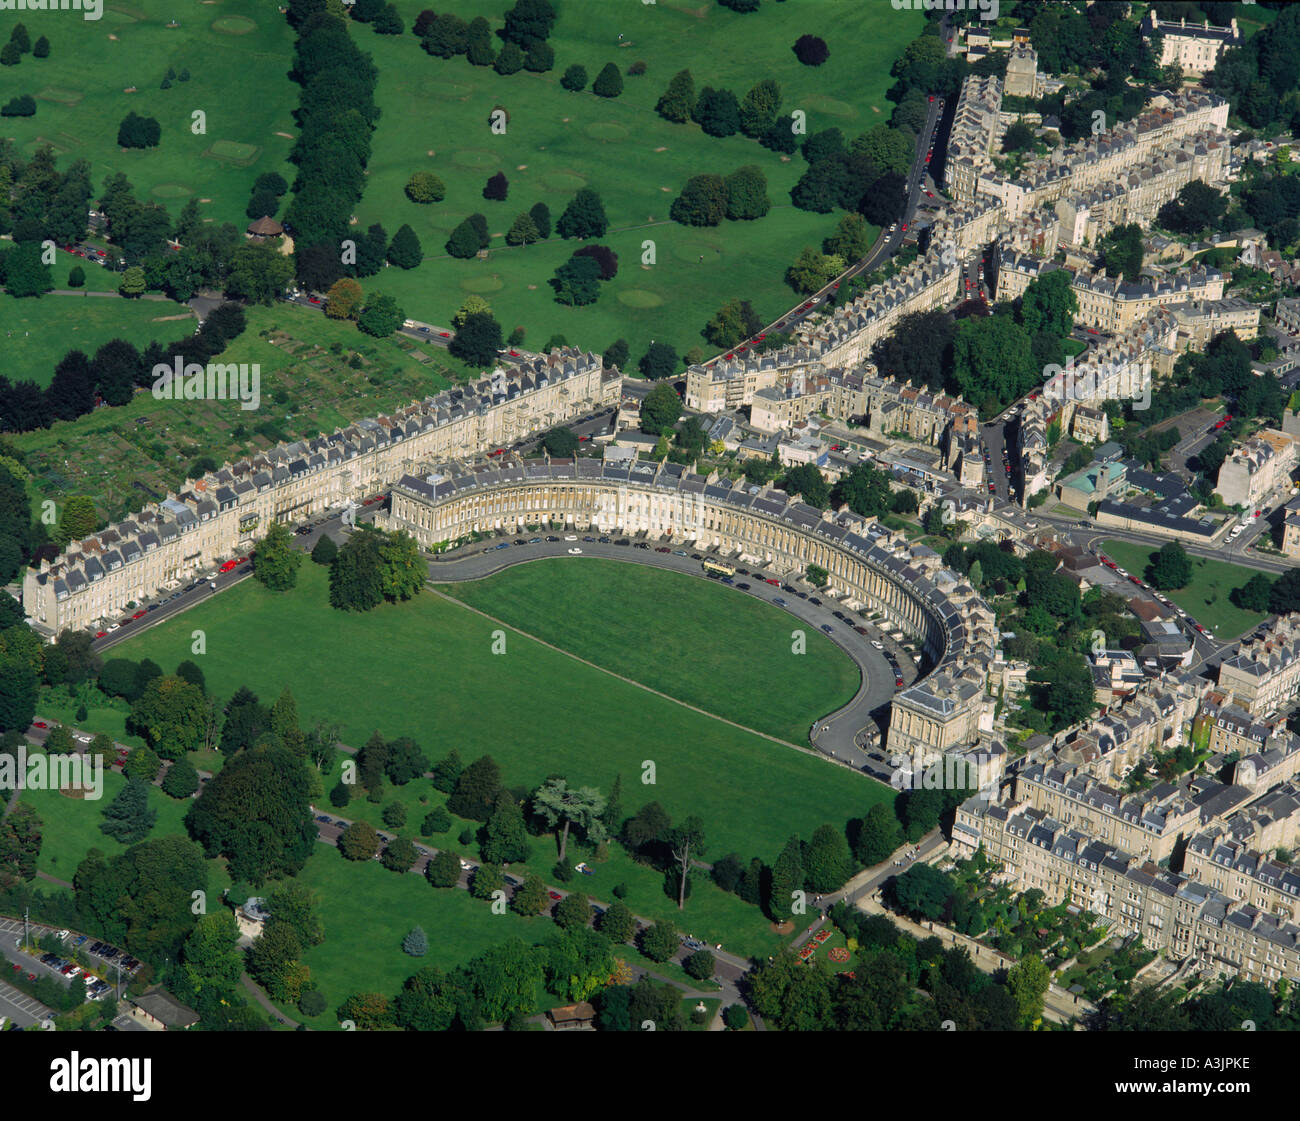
563, 806
256, 812
479, 341
275, 560
172, 716
506, 838
660, 409
678, 99
583, 217
476, 789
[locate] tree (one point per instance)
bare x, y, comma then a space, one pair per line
1028, 981
530, 897
505, 839
523, 231
256, 812
609, 82
678, 100
700, 965
478, 43
404, 251
703, 201
812, 270
18, 693
21, 106
577, 281
381, 316
810, 50
604, 256
660, 408
359, 841
416, 943
806, 480
684, 840
560, 442
171, 715
584, 216
25, 273
878, 836
827, 863
142, 764
660, 941
573, 912
574, 78
1171, 568
497, 187
557, 802
211, 957
1253, 595
41, 49
443, 870
181, 780
510, 60
464, 241
617, 923
275, 560
717, 112
787, 878
923, 891
486, 880
759, 107
478, 341
476, 790
128, 818
659, 361
539, 57
424, 187
735, 321
138, 132
447, 771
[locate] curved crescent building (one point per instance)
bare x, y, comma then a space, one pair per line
866, 563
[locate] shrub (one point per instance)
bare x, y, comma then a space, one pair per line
77, 277
435, 822
425, 187
311, 1003
574, 78
810, 50
22, 106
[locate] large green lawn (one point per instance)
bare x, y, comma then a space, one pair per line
70, 826
436, 118
738, 663
426, 669
36, 333
1206, 597
98, 71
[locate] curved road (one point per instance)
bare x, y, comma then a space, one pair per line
836, 733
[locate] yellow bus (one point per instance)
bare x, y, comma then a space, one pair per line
722, 568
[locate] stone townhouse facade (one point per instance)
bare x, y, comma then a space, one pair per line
846, 338
1138, 192
1112, 304
1022, 78
1263, 675
1176, 915
226, 511
1255, 467
1108, 156
730, 384
1149, 823
975, 130
1200, 320
1244, 873
1194, 47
